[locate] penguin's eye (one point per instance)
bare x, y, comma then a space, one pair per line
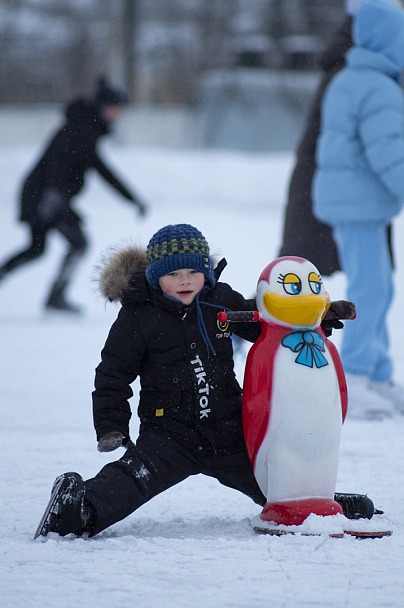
315, 283
292, 284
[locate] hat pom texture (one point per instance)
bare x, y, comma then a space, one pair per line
178, 246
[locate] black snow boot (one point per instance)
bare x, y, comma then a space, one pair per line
57, 302
67, 511
356, 506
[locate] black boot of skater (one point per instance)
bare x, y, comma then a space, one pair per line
67, 511
57, 302
356, 506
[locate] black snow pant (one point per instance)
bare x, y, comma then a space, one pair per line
154, 464
69, 226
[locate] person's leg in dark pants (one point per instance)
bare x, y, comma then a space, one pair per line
235, 471
153, 465
69, 227
34, 251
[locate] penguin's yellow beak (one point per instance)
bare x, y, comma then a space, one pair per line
301, 311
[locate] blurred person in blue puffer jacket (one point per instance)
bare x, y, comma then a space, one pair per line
359, 187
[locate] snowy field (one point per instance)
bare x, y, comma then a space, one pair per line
193, 545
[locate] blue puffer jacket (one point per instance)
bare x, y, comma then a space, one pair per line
360, 156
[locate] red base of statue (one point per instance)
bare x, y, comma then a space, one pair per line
294, 512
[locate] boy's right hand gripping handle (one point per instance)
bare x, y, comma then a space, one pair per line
239, 316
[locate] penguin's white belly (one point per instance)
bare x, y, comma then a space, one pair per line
298, 457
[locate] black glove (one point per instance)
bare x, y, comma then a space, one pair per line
111, 441
52, 206
340, 309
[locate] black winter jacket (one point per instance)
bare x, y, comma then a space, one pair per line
66, 158
303, 234
186, 389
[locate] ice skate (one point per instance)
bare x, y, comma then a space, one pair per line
364, 402
390, 391
59, 304
66, 511
356, 506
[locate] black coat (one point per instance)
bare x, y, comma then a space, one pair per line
186, 389
303, 234
67, 158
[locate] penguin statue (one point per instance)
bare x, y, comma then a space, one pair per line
295, 396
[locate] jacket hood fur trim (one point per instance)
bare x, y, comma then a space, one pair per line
117, 269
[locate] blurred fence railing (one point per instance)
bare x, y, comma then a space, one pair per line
263, 113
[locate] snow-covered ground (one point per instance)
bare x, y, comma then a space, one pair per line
193, 545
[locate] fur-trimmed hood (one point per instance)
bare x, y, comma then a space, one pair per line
117, 270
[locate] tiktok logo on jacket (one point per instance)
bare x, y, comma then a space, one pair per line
203, 387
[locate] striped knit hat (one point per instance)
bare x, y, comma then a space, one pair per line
178, 246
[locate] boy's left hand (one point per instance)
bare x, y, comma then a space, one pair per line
110, 442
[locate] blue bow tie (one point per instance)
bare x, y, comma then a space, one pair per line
310, 346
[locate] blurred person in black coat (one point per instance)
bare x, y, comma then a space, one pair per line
303, 234
58, 176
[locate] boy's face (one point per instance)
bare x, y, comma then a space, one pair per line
183, 284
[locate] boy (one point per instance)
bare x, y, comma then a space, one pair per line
190, 402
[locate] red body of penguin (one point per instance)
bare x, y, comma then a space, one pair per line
294, 397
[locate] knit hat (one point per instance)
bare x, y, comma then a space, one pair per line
107, 96
178, 246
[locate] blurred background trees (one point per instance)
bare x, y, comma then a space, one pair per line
52, 50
